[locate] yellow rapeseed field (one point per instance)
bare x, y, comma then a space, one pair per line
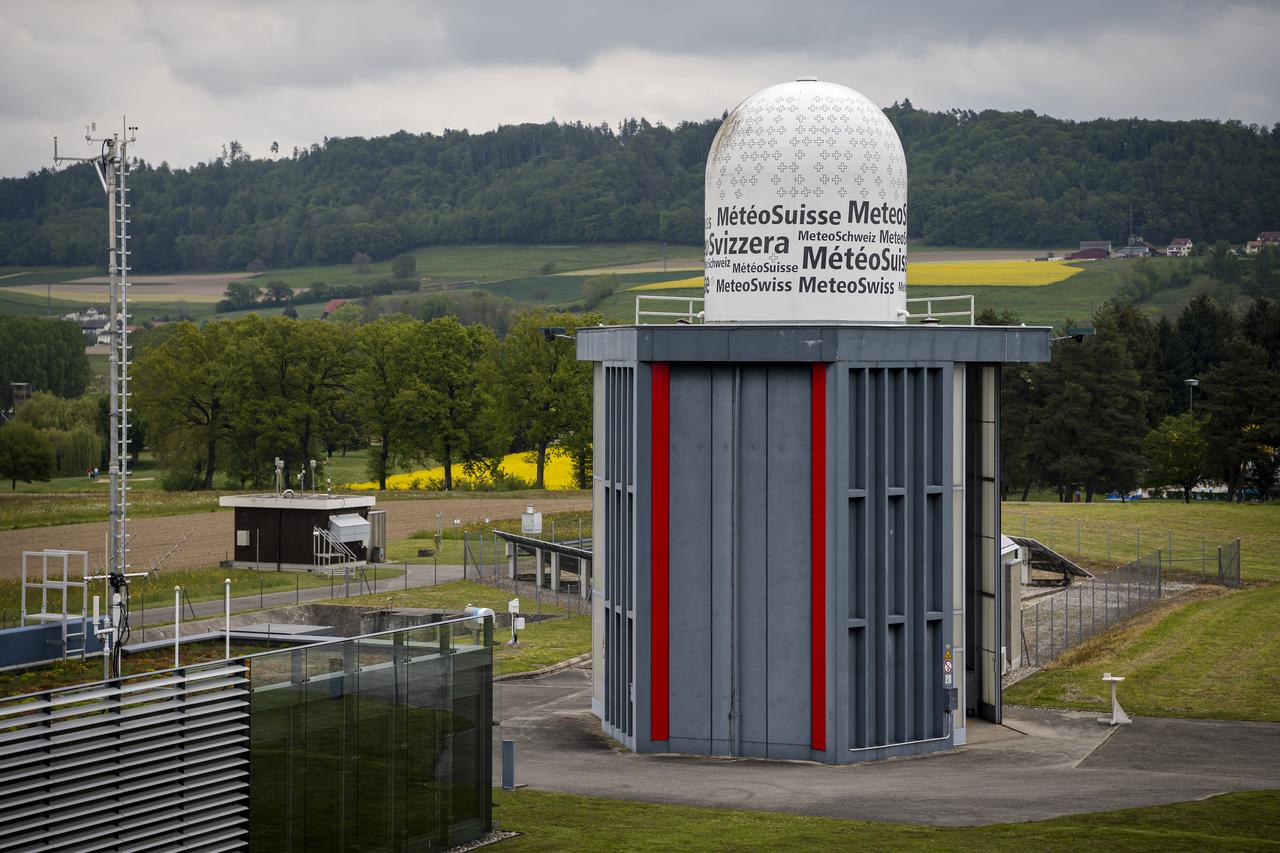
989, 273
694, 283
558, 474
942, 274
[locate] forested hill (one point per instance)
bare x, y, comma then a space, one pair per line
977, 179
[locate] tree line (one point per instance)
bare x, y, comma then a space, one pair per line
230, 397
985, 178
1112, 410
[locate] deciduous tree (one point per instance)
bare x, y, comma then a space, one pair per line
25, 454
1176, 453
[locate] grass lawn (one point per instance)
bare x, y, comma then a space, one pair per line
1215, 657
446, 596
26, 510
557, 526
541, 643
156, 590
144, 475
75, 671
544, 643
1241, 821
1143, 526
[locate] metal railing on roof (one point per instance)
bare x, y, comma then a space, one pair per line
692, 312
689, 309
932, 316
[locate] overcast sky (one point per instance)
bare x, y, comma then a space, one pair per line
194, 75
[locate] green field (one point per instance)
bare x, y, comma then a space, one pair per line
156, 590
22, 276
565, 290
26, 304
487, 264
1114, 532
1215, 656
536, 275
45, 510
564, 822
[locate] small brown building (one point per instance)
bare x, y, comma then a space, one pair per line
300, 532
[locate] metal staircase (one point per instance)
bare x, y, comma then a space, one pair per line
330, 556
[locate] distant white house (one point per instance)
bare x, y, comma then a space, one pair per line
1252, 247
1180, 247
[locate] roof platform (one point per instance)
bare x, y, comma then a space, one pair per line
309, 501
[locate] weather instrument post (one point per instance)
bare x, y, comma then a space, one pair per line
111, 163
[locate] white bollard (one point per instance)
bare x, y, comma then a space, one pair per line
226, 598
177, 623
1118, 716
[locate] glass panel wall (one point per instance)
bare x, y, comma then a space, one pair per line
380, 742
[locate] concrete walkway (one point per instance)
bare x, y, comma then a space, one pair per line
1041, 764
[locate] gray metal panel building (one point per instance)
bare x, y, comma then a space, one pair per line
796, 535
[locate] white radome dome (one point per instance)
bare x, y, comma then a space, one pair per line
805, 218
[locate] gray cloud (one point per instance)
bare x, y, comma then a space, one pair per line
195, 75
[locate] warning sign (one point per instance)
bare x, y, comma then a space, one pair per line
948, 676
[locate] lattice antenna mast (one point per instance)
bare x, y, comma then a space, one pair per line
112, 167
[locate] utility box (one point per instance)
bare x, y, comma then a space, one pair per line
792, 523
377, 535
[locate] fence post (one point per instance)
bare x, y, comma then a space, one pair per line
1052, 637
1079, 614
1106, 614
1239, 565
1159, 583
1139, 554
1171, 549
1066, 619
1037, 633
177, 622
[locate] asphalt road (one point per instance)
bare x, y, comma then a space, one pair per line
1042, 764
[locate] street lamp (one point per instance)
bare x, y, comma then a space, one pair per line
1191, 384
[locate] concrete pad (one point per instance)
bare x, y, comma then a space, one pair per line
1041, 764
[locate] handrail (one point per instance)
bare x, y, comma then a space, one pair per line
688, 315
931, 315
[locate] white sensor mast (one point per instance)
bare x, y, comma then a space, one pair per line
112, 167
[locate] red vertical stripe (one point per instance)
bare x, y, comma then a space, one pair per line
659, 549
818, 560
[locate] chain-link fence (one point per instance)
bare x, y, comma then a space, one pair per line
1229, 564
1193, 555
1054, 623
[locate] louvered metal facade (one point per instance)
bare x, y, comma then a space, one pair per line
145, 763
381, 741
